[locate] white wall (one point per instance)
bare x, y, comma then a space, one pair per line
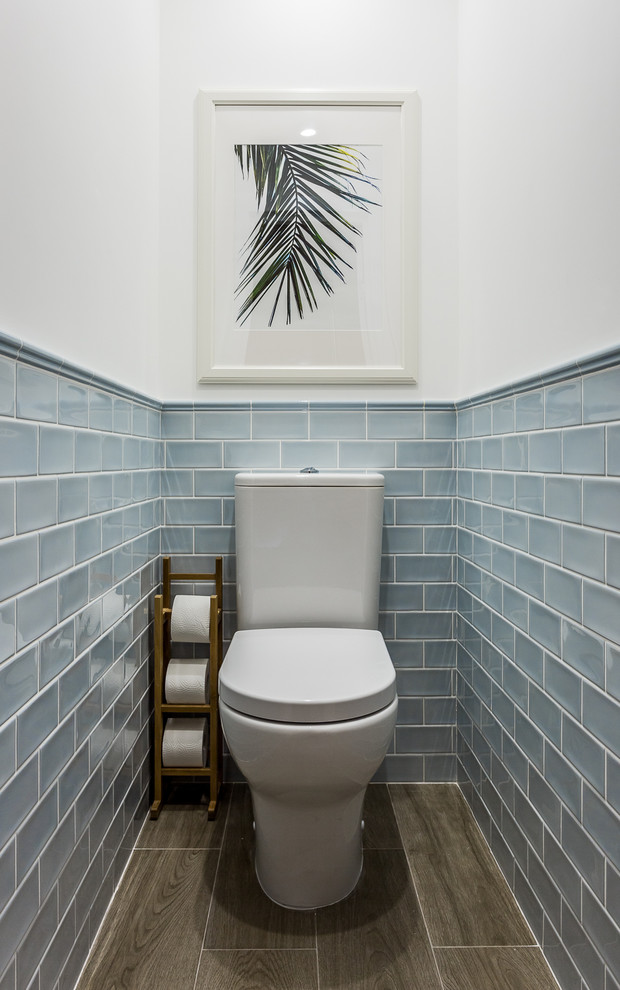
340, 46
78, 181
98, 174
539, 193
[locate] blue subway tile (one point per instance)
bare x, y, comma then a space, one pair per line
492, 453
298, 454
563, 404
439, 424
515, 683
18, 565
7, 387
602, 930
482, 486
7, 889
584, 752
439, 539
367, 454
36, 613
602, 825
483, 420
72, 404
36, 501
194, 454
613, 449
563, 592
515, 453
563, 778
139, 421
563, 498
415, 683
546, 714
276, 424
18, 449
424, 453
613, 561
101, 411
337, 423
36, 722
423, 567
420, 625
584, 652
563, 684
503, 489
219, 541
242, 454
112, 453
601, 396
55, 551
529, 657
601, 717
193, 511
546, 539
473, 454
503, 415
72, 498
395, 424
56, 752
583, 450
529, 575
72, 591
55, 450
582, 852
18, 682
545, 626
18, 799
584, 551
439, 482
528, 737
601, 607
37, 395
546, 452
515, 527
601, 498
424, 511
7, 508
529, 411
180, 425
529, 493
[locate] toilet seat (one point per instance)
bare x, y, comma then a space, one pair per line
307, 675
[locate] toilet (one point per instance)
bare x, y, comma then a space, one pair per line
307, 688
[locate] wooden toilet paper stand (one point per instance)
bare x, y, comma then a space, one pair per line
163, 614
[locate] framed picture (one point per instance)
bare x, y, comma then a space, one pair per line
307, 263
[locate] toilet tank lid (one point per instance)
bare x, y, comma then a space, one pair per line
307, 675
320, 479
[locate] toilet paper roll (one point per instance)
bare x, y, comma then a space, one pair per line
186, 682
190, 619
185, 743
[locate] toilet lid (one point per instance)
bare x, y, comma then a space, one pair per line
307, 675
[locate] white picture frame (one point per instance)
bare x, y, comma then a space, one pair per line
364, 326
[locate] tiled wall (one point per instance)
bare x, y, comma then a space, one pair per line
538, 629
413, 448
79, 558
507, 647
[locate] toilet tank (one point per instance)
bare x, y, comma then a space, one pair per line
308, 549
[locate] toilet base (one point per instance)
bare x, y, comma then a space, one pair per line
308, 783
312, 857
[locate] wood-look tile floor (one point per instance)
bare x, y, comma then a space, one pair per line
431, 912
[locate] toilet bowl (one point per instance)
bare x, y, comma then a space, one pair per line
307, 687
308, 715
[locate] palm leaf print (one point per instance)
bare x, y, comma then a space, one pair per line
298, 242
